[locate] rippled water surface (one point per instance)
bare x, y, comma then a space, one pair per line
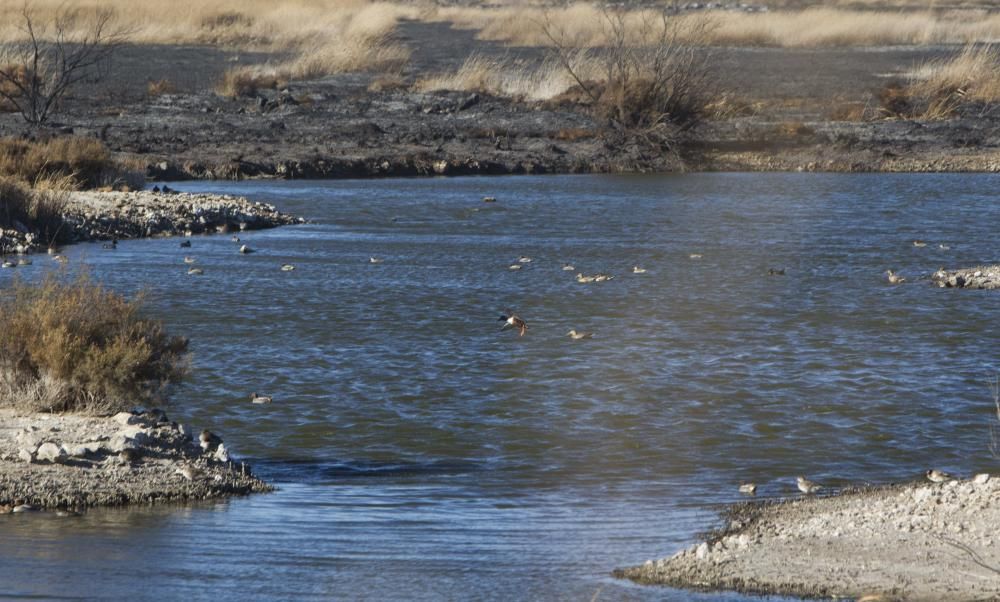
422, 454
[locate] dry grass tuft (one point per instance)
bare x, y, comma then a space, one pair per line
63, 162
247, 80
74, 346
509, 78
812, 27
160, 87
40, 210
972, 76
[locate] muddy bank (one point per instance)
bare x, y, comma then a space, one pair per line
123, 215
50, 461
920, 542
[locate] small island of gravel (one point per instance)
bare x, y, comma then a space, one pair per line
93, 215
73, 461
918, 542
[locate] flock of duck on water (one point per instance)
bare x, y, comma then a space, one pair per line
895, 278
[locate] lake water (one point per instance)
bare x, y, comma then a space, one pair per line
422, 454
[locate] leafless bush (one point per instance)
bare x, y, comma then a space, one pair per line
38, 70
657, 88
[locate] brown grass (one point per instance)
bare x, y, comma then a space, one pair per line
509, 78
813, 27
39, 210
65, 163
160, 87
74, 346
71, 161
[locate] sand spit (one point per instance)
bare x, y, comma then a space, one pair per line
919, 542
68, 461
123, 215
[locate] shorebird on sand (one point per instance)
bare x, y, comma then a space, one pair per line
513, 321
576, 336
806, 486
748, 488
936, 476
189, 472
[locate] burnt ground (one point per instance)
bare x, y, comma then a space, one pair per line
812, 109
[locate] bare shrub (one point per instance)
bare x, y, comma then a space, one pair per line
55, 55
656, 90
74, 346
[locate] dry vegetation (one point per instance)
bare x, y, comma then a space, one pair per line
814, 27
322, 37
74, 346
509, 77
63, 163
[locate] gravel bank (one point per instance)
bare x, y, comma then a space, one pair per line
50, 461
919, 542
982, 277
123, 215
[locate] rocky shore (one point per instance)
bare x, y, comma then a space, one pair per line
123, 215
981, 277
70, 462
917, 542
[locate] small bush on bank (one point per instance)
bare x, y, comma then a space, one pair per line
74, 346
39, 210
62, 163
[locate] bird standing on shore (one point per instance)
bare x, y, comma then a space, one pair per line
894, 278
806, 486
937, 476
189, 472
513, 321
209, 440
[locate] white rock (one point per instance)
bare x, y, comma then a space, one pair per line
981, 478
26, 455
50, 452
702, 552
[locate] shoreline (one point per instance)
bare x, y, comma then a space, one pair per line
72, 462
916, 541
106, 216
